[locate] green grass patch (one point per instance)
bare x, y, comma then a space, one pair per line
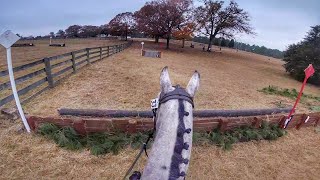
97, 143
291, 93
241, 134
103, 143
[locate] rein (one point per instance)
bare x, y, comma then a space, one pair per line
178, 93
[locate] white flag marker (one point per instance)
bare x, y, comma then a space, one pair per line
7, 39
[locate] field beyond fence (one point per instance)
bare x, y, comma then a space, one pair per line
34, 78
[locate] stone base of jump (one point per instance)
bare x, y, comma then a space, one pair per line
86, 125
86, 121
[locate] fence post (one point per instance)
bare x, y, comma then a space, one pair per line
100, 53
73, 62
108, 51
48, 72
87, 49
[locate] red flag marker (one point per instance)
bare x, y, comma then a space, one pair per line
309, 71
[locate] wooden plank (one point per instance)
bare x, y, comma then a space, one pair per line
79, 51
95, 52
23, 91
22, 67
94, 57
81, 56
93, 48
62, 71
21, 79
103, 54
199, 113
61, 63
81, 62
48, 72
59, 56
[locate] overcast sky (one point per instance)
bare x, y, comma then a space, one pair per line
277, 23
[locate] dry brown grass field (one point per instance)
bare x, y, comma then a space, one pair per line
229, 80
292, 157
23, 55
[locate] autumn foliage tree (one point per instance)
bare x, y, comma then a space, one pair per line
148, 18
184, 33
73, 31
214, 19
160, 18
122, 24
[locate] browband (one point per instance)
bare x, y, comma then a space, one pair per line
177, 93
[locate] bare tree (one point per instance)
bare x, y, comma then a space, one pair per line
213, 19
122, 24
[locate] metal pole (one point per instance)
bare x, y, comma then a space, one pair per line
14, 90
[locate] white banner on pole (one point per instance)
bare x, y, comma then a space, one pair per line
7, 39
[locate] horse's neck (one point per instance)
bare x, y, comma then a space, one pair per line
171, 149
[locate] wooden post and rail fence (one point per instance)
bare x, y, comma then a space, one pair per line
36, 77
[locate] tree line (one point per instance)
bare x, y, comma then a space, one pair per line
177, 19
223, 42
168, 19
298, 56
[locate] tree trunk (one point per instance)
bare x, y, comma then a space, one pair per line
168, 41
126, 35
156, 39
210, 43
183, 40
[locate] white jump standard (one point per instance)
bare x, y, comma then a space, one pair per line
7, 39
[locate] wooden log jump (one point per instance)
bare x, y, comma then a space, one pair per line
58, 45
148, 53
23, 45
148, 114
86, 125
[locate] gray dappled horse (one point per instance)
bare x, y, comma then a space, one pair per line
171, 150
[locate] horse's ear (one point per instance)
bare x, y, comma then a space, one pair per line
193, 84
165, 82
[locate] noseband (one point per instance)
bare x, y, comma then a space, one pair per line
178, 93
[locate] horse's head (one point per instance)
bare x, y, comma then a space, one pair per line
170, 154
170, 95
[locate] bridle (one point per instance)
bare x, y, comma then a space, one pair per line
178, 93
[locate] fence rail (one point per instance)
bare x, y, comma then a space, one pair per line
52, 69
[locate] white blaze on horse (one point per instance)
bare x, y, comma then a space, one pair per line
171, 150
